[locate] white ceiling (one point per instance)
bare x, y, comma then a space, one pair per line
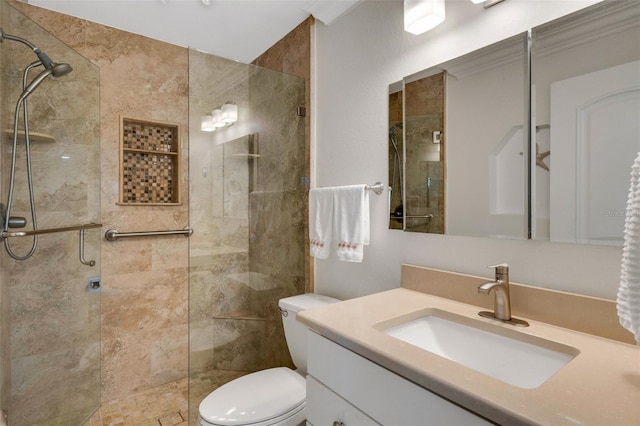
235, 29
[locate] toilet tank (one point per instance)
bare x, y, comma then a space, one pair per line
294, 331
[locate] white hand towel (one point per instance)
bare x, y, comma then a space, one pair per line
351, 221
628, 302
320, 221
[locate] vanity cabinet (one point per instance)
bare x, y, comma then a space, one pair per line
325, 407
344, 388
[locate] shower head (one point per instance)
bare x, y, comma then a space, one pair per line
58, 70
44, 59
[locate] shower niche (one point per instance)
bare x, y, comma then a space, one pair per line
149, 162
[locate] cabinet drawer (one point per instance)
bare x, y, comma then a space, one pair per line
324, 407
386, 397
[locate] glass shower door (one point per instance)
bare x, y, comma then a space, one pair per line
50, 302
247, 208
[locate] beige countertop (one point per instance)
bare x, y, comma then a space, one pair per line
600, 386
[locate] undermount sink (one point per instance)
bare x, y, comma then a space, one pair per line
516, 358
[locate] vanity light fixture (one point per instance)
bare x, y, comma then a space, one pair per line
217, 117
206, 123
223, 116
422, 15
229, 113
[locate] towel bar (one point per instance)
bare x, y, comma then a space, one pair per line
377, 187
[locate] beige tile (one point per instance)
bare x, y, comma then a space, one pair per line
165, 405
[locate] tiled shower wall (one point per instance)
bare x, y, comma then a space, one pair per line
144, 293
145, 281
48, 290
292, 55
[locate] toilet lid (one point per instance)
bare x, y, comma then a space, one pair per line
254, 398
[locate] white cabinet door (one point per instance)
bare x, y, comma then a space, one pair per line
324, 407
386, 397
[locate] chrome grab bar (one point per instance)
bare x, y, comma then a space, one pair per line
426, 216
11, 234
113, 235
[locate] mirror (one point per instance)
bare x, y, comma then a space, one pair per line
471, 112
584, 112
586, 104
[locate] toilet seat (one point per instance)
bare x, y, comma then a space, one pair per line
262, 398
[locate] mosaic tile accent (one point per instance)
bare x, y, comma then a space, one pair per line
147, 178
149, 162
149, 137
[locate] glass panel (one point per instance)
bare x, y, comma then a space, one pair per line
247, 207
424, 103
485, 140
464, 120
586, 85
51, 322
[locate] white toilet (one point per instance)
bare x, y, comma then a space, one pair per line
272, 397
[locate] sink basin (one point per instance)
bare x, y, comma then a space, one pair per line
516, 358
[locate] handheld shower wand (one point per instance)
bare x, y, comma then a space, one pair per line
50, 69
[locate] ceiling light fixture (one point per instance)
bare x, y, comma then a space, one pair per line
422, 15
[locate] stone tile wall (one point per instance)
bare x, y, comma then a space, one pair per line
144, 293
145, 304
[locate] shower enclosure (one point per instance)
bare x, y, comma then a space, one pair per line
49, 314
247, 207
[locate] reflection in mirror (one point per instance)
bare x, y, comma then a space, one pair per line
396, 162
586, 85
424, 158
239, 172
471, 111
486, 139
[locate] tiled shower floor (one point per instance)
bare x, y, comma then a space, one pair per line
165, 405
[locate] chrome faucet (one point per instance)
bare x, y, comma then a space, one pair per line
502, 301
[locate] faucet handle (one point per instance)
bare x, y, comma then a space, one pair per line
502, 269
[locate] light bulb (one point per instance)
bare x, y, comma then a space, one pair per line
217, 118
206, 123
229, 113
